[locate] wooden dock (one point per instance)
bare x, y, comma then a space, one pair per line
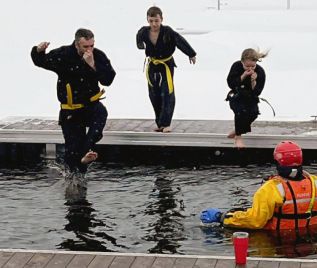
10, 258
193, 133
201, 141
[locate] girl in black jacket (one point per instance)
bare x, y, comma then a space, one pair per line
246, 80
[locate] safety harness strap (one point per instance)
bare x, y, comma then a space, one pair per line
295, 203
312, 200
307, 215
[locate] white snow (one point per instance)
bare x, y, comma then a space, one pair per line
218, 36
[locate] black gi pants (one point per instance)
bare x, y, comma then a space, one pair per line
78, 141
162, 101
244, 115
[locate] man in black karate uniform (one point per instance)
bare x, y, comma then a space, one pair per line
80, 68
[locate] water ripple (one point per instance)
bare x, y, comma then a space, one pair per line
134, 209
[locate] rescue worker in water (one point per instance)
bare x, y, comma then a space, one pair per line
284, 201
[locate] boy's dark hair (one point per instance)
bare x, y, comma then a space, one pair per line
85, 33
154, 11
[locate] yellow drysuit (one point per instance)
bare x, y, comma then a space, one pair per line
266, 199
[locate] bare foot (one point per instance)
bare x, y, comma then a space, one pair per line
89, 157
231, 135
167, 129
158, 129
239, 142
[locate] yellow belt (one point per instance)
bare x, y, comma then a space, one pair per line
167, 69
72, 106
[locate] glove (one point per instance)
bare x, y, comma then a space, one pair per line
210, 215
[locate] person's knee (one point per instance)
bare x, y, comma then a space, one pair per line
253, 116
100, 113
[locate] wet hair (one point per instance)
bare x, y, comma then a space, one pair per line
83, 33
253, 55
154, 11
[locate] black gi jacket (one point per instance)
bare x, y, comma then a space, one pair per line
165, 46
72, 69
241, 91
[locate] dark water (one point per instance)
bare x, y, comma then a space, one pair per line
148, 209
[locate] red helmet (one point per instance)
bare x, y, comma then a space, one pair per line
288, 153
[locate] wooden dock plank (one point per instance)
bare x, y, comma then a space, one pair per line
184, 263
163, 262
10, 258
133, 125
18, 260
268, 264
308, 265
193, 133
143, 262
5, 257
225, 264
39, 260
289, 265
81, 261
101, 261
60, 260
205, 263
252, 264
122, 261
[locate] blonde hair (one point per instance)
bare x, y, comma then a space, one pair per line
253, 55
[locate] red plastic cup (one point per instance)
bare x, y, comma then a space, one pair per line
241, 242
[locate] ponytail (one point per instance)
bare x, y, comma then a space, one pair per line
253, 55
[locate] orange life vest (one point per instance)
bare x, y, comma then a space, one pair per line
299, 208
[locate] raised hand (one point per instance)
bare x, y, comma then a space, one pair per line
42, 46
254, 76
192, 60
247, 73
88, 57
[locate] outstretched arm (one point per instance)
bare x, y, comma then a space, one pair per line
185, 47
264, 202
53, 61
39, 57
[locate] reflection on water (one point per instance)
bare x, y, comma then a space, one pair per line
150, 209
81, 218
167, 229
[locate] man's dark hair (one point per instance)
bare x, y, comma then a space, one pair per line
153, 11
85, 33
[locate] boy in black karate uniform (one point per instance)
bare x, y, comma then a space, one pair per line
160, 43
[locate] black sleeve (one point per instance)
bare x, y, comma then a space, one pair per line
52, 61
140, 38
260, 81
181, 43
104, 71
235, 83
234, 77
